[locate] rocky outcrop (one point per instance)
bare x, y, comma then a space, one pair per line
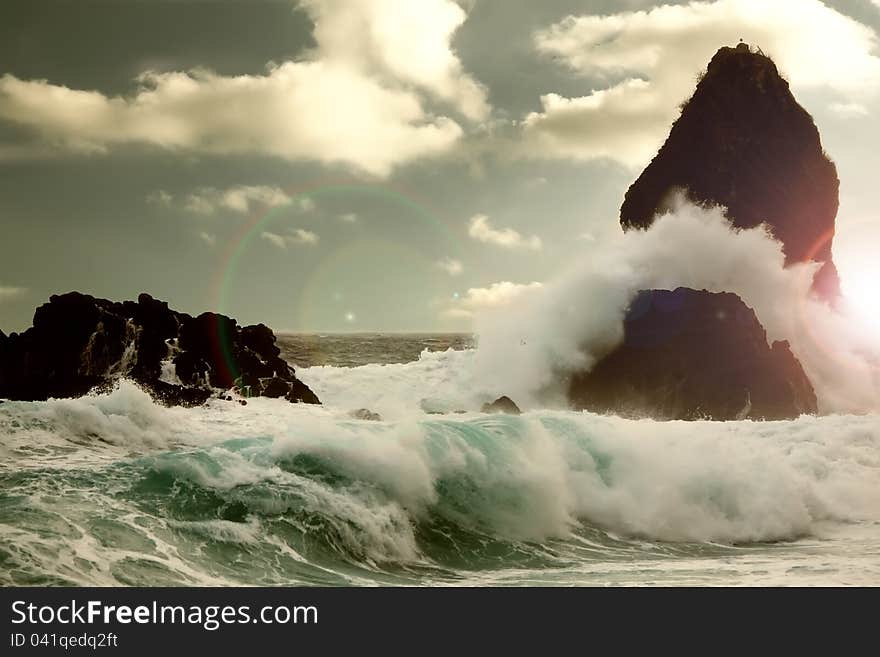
689, 354
365, 414
503, 404
78, 342
743, 141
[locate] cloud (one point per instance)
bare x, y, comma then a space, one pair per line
241, 199
849, 110
496, 295
274, 238
300, 236
8, 292
305, 203
481, 230
199, 204
625, 123
402, 40
647, 62
208, 238
357, 99
159, 197
451, 266
349, 218
295, 237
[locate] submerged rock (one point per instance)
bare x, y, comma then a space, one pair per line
689, 354
743, 141
503, 404
366, 414
78, 342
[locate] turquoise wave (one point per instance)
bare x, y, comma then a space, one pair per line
114, 490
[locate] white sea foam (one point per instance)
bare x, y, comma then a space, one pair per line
571, 322
441, 379
530, 477
542, 474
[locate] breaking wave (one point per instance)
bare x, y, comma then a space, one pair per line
112, 488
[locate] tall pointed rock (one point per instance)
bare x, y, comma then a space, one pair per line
743, 141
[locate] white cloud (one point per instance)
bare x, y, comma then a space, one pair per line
159, 197
241, 198
8, 292
451, 266
305, 203
199, 204
295, 237
274, 238
357, 99
849, 110
481, 230
649, 61
300, 236
482, 298
404, 40
208, 238
625, 123
349, 218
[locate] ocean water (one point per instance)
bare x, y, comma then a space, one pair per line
115, 489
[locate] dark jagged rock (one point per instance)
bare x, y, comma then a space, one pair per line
691, 354
743, 141
501, 405
276, 388
301, 393
78, 342
260, 339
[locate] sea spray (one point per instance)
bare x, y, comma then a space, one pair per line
275, 493
528, 348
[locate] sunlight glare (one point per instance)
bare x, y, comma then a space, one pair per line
862, 290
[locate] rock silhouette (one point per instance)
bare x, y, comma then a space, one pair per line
743, 141
503, 404
78, 342
692, 354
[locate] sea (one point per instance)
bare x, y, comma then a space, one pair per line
114, 489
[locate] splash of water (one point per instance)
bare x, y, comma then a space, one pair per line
571, 322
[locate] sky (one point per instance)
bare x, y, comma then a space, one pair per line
374, 165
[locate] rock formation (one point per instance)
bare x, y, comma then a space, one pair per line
365, 414
501, 405
743, 141
691, 354
78, 342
